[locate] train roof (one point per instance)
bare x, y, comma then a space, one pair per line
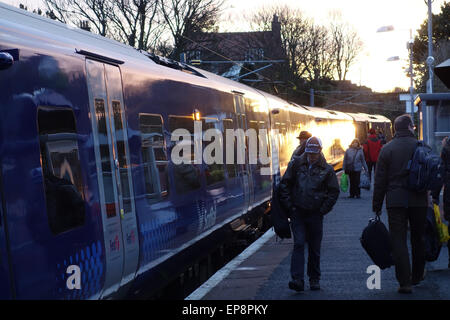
329, 114
364, 117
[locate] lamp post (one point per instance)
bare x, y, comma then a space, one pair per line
430, 58
409, 46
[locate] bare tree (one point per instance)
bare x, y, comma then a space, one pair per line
72, 11
186, 17
346, 47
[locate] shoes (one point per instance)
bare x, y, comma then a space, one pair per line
351, 197
404, 289
297, 285
358, 197
416, 282
314, 284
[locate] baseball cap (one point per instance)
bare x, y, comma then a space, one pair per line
313, 145
304, 135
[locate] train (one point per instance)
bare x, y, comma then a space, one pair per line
92, 204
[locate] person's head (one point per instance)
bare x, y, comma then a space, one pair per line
372, 131
355, 143
304, 136
444, 141
403, 123
313, 148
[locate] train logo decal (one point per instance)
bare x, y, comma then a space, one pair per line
131, 237
114, 245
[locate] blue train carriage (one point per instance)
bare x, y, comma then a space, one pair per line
87, 185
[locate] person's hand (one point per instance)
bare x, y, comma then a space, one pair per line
378, 213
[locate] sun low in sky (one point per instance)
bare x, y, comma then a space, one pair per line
372, 68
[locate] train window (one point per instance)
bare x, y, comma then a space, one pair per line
107, 170
186, 175
231, 168
122, 156
213, 172
154, 157
61, 168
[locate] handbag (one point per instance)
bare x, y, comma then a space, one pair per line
441, 227
344, 182
365, 181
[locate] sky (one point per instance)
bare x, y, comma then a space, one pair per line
372, 68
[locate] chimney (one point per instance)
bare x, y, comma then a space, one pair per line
276, 26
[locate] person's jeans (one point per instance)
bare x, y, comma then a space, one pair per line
355, 179
306, 228
398, 225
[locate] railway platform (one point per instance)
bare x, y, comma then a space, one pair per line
261, 272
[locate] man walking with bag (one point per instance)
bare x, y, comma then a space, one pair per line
308, 191
402, 204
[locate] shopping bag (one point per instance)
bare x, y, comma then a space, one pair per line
344, 182
441, 227
365, 181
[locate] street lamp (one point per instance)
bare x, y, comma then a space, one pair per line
409, 46
430, 59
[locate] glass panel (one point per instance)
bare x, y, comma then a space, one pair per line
186, 175
231, 168
122, 156
61, 169
107, 172
154, 156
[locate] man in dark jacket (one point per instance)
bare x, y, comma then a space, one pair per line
402, 204
445, 156
308, 191
303, 137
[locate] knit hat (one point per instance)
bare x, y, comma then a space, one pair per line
372, 131
304, 135
313, 145
402, 122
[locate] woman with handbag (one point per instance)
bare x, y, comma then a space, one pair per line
353, 164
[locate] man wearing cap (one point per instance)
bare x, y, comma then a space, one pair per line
402, 204
303, 137
308, 190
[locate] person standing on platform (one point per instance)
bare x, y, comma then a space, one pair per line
308, 191
372, 149
445, 156
303, 137
353, 164
403, 205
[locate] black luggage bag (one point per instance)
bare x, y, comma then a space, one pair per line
375, 240
279, 217
432, 243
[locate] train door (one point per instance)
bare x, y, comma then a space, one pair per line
114, 174
243, 169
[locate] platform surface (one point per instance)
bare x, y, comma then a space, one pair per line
264, 273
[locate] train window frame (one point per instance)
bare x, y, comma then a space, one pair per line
190, 171
155, 180
212, 180
62, 187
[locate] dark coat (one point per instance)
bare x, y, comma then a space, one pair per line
391, 176
299, 150
310, 189
445, 156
